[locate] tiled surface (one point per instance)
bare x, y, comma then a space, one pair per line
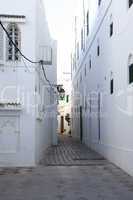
68, 183
94, 181
70, 152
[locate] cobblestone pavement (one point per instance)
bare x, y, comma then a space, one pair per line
59, 182
71, 152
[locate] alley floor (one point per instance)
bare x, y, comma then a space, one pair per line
69, 171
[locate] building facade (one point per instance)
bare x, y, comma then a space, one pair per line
28, 103
102, 75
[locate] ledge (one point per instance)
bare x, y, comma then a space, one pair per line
12, 18
10, 109
10, 106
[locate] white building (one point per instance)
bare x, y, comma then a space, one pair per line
103, 80
28, 106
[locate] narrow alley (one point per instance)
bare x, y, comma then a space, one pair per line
69, 171
66, 100
70, 152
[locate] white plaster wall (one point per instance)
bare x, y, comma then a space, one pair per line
16, 75
24, 154
116, 122
34, 135
46, 128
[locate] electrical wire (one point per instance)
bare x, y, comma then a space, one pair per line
26, 65
29, 60
45, 76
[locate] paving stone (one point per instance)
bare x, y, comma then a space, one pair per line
81, 182
71, 152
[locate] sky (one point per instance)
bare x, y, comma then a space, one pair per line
60, 16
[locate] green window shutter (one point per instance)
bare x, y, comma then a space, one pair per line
67, 98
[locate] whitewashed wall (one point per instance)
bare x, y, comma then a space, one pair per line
116, 119
45, 127
24, 134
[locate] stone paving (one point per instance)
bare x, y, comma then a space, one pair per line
52, 181
71, 152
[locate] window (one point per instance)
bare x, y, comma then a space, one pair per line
130, 66
87, 22
90, 63
130, 3
67, 98
111, 29
98, 50
111, 25
131, 74
99, 2
12, 52
112, 86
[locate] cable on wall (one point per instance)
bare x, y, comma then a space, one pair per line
29, 60
45, 76
41, 62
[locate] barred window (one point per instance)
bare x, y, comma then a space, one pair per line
12, 52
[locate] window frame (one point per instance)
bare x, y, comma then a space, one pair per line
16, 37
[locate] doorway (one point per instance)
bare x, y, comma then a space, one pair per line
81, 124
62, 125
99, 116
